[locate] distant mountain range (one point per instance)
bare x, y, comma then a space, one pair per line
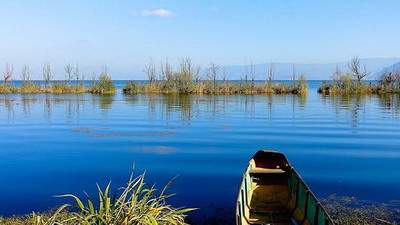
393, 67
283, 71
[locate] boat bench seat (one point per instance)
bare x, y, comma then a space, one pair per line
259, 170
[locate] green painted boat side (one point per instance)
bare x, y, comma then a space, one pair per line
273, 193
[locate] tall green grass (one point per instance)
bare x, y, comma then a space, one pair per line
136, 204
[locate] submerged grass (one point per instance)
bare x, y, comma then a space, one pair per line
352, 211
137, 204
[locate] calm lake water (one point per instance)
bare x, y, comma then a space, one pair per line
56, 144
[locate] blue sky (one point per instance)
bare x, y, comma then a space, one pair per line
125, 34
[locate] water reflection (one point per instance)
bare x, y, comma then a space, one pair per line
71, 106
186, 107
105, 101
390, 103
182, 107
356, 105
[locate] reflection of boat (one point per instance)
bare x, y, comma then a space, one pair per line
273, 193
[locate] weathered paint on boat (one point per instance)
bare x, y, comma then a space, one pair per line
272, 192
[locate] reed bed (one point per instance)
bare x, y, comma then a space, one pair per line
352, 83
103, 85
186, 80
136, 204
31, 88
203, 87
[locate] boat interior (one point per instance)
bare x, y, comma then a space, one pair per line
273, 193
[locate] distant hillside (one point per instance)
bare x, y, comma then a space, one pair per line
283, 71
393, 67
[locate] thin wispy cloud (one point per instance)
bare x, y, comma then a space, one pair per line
157, 13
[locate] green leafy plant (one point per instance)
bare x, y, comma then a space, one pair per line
136, 204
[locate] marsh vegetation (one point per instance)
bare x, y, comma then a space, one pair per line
353, 83
186, 79
73, 84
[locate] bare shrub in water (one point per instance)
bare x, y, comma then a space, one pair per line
357, 70
25, 74
47, 73
8, 72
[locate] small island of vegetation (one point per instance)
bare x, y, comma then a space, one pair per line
353, 83
73, 84
186, 80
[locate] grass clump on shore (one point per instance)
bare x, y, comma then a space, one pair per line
186, 80
136, 204
352, 83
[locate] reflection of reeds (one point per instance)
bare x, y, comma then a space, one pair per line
72, 104
189, 106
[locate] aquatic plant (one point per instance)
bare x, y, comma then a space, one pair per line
137, 204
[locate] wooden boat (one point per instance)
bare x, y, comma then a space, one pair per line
273, 193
